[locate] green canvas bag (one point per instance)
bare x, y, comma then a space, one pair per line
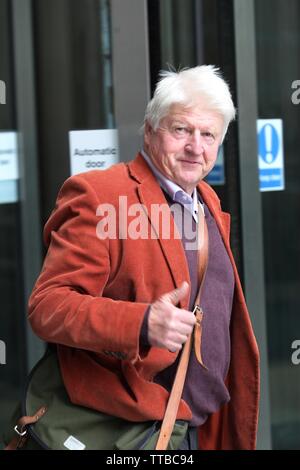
65, 426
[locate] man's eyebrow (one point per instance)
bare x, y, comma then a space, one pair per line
204, 128
213, 130
180, 123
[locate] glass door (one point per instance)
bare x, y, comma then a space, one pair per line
278, 70
12, 317
72, 40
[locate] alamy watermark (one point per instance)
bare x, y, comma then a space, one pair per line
295, 358
2, 92
2, 353
296, 94
135, 221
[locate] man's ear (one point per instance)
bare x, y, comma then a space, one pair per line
148, 127
148, 132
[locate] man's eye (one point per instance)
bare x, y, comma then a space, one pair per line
181, 130
208, 136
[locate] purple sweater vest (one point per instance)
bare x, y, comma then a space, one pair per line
204, 390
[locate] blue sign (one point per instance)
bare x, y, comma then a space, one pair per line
217, 174
270, 154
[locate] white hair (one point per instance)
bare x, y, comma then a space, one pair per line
187, 87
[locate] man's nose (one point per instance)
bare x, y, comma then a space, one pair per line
195, 143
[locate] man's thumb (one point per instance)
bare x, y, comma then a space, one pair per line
177, 294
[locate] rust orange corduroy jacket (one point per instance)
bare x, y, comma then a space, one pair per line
91, 296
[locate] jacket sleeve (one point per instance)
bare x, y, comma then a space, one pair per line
67, 305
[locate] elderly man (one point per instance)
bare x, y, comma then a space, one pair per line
118, 303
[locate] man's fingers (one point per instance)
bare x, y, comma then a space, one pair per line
187, 327
176, 295
168, 325
176, 343
174, 349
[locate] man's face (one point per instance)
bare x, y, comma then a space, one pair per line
185, 146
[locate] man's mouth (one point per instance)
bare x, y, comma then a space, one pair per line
190, 162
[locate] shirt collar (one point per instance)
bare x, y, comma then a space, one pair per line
176, 193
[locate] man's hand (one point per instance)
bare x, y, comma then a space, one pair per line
169, 326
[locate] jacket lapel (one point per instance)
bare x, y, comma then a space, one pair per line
152, 198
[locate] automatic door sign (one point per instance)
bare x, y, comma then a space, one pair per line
270, 154
9, 168
93, 150
8, 156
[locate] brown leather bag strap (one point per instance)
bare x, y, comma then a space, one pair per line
202, 267
202, 251
19, 440
177, 388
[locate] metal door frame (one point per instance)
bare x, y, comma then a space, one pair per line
251, 206
31, 236
131, 71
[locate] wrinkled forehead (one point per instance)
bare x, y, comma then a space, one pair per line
194, 114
